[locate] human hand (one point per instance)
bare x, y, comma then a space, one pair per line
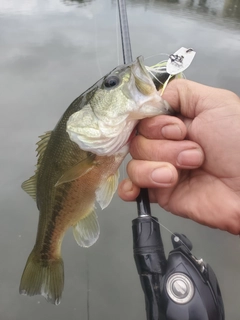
191, 163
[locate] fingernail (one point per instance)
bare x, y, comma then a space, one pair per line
127, 186
171, 131
162, 175
190, 158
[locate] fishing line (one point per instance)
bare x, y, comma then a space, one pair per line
117, 35
96, 47
88, 286
143, 198
156, 55
168, 230
123, 167
155, 77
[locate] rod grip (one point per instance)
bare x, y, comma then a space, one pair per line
150, 262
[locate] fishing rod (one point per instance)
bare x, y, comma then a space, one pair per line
144, 240
181, 287
143, 204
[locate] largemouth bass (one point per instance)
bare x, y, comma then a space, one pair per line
78, 164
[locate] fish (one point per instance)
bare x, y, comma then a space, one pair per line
77, 166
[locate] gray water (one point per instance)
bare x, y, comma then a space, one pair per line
50, 52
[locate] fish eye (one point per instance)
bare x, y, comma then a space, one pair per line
111, 82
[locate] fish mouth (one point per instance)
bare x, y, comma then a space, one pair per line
140, 60
143, 80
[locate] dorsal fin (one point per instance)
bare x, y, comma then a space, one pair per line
41, 146
30, 185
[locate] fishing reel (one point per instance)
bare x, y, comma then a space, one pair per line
181, 287
190, 287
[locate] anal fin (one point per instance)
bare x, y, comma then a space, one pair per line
87, 230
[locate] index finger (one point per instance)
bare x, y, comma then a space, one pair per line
191, 98
162, 127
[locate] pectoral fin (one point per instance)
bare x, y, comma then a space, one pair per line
77, 171
107, 189
87, 230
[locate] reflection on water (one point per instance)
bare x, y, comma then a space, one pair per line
226, 8
231, 9
79, 2
220, 8
51, 51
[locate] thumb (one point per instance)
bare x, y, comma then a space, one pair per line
191, 98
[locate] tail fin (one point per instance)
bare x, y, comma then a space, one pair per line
43, 277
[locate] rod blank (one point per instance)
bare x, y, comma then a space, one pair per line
126, 43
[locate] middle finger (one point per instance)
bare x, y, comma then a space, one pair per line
182, 154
